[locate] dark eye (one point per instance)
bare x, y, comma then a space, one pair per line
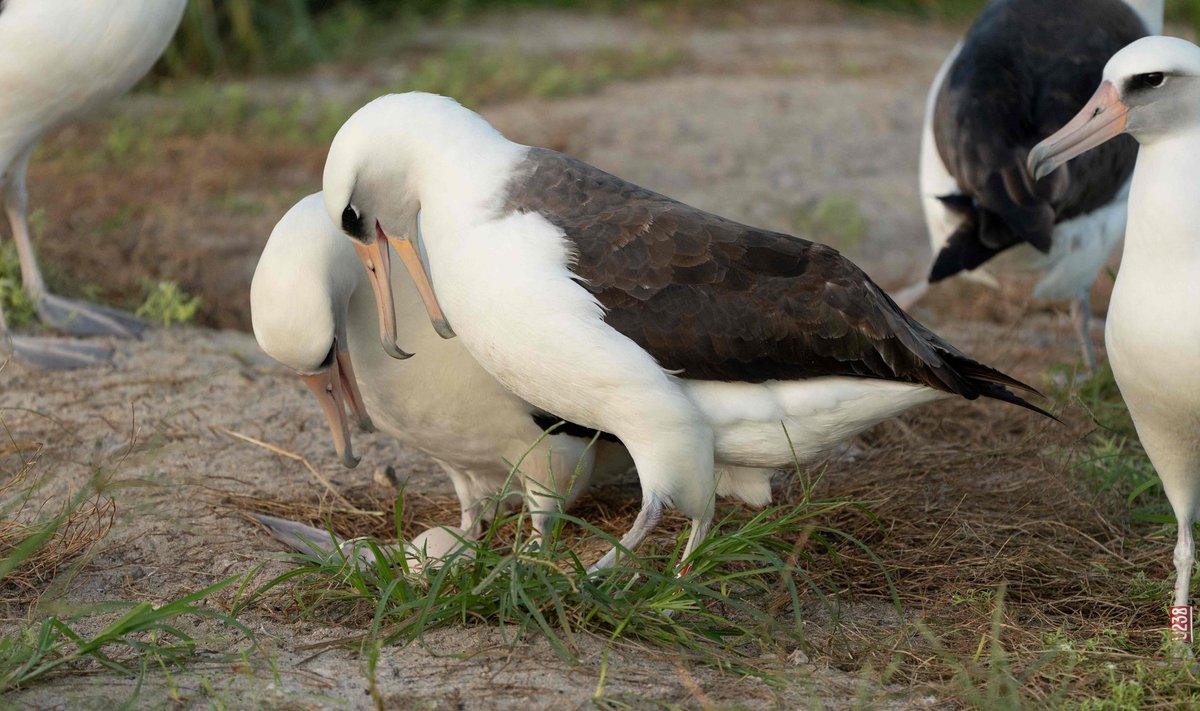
1153, 80
351, 221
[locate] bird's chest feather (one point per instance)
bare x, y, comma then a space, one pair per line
509, 294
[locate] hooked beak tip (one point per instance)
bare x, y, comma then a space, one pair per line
395, 351
349, 460
365, 424
442, 326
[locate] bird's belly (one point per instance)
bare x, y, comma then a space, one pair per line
1153, 341
774, 424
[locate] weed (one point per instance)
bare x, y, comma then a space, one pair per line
835, 220
142, 635
167, 304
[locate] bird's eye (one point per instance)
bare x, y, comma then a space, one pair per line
351, 221
1153, 80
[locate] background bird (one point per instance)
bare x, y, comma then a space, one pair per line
313, 310
60, 60
696, 340
1023, 69
1151, 91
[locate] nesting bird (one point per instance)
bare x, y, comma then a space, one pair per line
1023, 69
1151, 91
714, 351
313, 310
60, 60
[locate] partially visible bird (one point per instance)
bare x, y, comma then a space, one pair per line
1151, 91
313, 310
714, 351
1022, 70
59, 60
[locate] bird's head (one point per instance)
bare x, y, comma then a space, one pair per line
371, 189
1150, 88
299, 300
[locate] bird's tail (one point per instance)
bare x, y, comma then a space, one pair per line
991, 383
1008, 211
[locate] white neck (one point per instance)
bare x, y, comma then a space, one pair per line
1151, 12
1164, 215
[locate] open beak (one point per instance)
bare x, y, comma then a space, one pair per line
378, 263
330, 388
407, 251
1103, 117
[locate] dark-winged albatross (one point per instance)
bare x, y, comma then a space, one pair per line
692, 338
1151, 91
313, 310
60, 60
1022, 70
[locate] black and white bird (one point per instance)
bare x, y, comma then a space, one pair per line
60, 60
313, 310
714, 351
1151, 91
1023, 69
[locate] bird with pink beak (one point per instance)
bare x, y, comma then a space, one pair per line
1151, 91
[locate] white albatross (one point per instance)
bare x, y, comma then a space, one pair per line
59, 60
1022, 70
313, 310
1151, 91
697, 341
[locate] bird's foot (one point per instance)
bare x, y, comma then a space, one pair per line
58, 353
79, 318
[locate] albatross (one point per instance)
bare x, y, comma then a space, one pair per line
313, 310
1022, 70
60, 60
1151, 91
712, 350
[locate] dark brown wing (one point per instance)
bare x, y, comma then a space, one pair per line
717, 300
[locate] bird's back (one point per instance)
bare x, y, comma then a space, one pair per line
1026, 67
59, 59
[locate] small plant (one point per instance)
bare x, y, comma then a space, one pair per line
834, 220
39, 558
167, 304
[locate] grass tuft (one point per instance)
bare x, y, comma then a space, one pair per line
41, 553
166, 304
739, 600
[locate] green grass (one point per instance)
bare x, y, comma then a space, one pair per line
166, 304
134, 638
835, 220
475, 78
737, 602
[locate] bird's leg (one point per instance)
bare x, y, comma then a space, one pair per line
1081, 316
1185, 557
45, 353
645, 523
700, 527
76, 318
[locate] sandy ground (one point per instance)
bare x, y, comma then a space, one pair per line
777, 110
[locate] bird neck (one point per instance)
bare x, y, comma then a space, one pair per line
1164, 216
1151, 12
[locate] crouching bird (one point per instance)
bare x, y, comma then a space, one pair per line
714, 351
313, 310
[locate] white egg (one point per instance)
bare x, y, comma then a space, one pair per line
433, 546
